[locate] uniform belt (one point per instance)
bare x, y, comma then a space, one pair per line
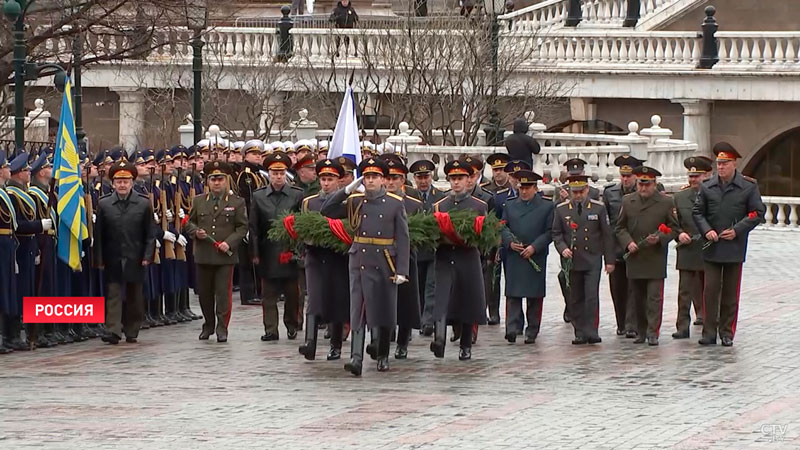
50, 232
373, 241
6, 232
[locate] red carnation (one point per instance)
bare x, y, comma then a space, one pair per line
752, 215
573, 225
285, 257
663, 228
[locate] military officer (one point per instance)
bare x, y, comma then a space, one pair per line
328, 285
582, 234
640, 230
727, 209
307, 174
8, 226
217, 223
504, 195
279, 277
124, 245
500, 180
690, 247
248, 181
381, 241
618, 280
500, 185
349, 171
460, 294
423, 181
322, 150
526, 239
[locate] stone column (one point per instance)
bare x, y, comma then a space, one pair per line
697, 124
131, 116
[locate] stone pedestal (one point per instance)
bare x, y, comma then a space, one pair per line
697, 124
131, 116
304, 129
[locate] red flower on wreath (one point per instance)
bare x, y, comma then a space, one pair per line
573, 225
285, 257
663, 228
752, 215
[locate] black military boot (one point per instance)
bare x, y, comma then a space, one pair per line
183, 305
170, 303
356, 352
67, 332
187, 309
403, 336
309, 347
439, 338
372, 347
49, 334
41, 341
465, 352
14, 335
77, 335
336, 330
384, 342
3, 347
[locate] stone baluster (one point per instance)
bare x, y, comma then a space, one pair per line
405, 140
781, 215
793, 218
769, 217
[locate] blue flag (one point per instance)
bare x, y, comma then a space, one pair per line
346, 140
71, 208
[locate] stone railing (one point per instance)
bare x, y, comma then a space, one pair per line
537, 17
773, 51
782, 212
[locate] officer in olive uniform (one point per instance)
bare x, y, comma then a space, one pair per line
727, 209
526, 238
618, 280
248, 181
582, 234
217, 223
637, 230
8, 226
690, 247
328, 276
422, 171
379, 258
279, 277
460, 293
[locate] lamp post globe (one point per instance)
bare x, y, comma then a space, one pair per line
12, 10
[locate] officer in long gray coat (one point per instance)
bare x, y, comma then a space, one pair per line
727, 209
460, 295
379, 258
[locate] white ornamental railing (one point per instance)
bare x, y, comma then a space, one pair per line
773, 51
782, 212
536, 17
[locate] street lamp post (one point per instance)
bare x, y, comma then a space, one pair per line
14, 11
77, 53
197, 20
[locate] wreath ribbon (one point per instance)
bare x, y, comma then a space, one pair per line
337, 228
288, 223
446, 227
478, 225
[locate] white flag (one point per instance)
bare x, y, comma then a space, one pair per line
346, 140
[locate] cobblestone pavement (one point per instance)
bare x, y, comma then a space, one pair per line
173, 391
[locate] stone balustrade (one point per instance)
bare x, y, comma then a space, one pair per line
782, 213
773, 51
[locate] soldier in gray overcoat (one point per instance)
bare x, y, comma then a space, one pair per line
460, 295
379, 258
526, 238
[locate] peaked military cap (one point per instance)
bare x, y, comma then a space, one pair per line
527, 177
40, 163
627, 163
515, 166
19, 163
330, 167
277, 161
645, 174
122, 170
498, 160
697, 165
422, 167
348, 164
726, 152
458, 167
578, 181
373, 165
254, 146
396, 167
217, 168
575, 166
476, 163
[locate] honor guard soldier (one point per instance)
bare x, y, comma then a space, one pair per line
526, 238
460, 294
328, 286
640, 230
322, 150
378, 258
217, 223
423, 181
500, 185
582, 235
349, 171
29, 225
8, 226
124, 246
727, 209
690, 247
248, 181
279, 277
618, 280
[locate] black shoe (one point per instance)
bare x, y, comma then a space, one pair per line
307, 350
334, 354
438, 349
579, 341
620, 332
269, 337
222, 339
372, 350
18, 345
5, 350
193, 315
652, 340
52, 339
566, 317
630, 334
493, 320
146, 324
204, 335
680, 335
131, 340
465, 353
252, 302
594, 340
111, 338
383, 364
511, 337
640, 340
727, 342
42, 342
698, 321
401, 352
427, 330
327, 334
707, 341
353, 367
291, 333
530, 339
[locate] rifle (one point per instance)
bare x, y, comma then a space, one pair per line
151, 195
87, 203
192, 190
180, 252
169, 247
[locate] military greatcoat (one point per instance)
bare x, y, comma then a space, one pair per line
531, 223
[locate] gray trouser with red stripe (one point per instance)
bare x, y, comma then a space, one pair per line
721, 299
584, 302
214, 287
